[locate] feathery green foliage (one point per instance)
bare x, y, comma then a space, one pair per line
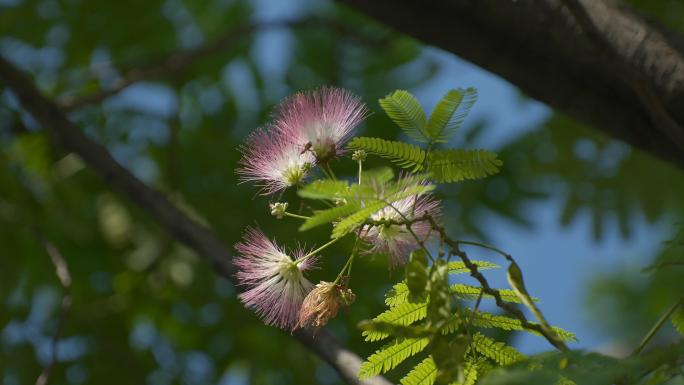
391, 355
493, 321
407, 113
499, 352
472, 292
455, 165
449, 114
323, 189
323, 217
405, 155
444, 166
458, 267
404, 319
422, 374
404, 314
356, 219
471, 370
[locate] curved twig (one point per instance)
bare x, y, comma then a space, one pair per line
64, 277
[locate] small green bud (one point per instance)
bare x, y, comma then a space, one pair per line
340, 201
359, 155
278, 209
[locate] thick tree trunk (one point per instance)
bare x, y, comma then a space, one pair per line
542, 47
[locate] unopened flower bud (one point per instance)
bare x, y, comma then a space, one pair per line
323, 302
359, 155
278, 209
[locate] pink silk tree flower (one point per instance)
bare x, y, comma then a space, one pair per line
322, 120
273, 160
396, 240
274, 282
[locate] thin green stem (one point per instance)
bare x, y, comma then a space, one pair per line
654, 330
486, 246
360, 170
318, 250
289, 214
330, 172
346, 268
325, 171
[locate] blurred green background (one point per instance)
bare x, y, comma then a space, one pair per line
583, 214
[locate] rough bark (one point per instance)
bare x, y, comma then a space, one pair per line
541, 47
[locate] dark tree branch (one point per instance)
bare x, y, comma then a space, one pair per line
542, 47
660, 118
197, 237
64, 277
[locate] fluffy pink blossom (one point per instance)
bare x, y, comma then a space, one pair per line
396, 240
321, 120
273, 160
274, 282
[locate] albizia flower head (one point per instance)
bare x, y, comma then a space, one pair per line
275, 284
321, 120
396, 240
273, 160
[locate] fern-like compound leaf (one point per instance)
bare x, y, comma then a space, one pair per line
492, 321
472, 292
404, 315
499, 352
391, 355
348, 224
455, 165
324, 189
399, 294
445, 166
458, 267
423, 374
449, 114
403, 154
407, 113
327, 216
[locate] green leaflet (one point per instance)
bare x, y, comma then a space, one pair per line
471, 371
399, 292
327, 216
391, 355
393, 193
377, 176
351, 222
404, 314
423, 374
323, 189
407, 113
446, 166
491, 321
449, 113
455, 165
328, 189
403, 154
472, 292
458, 267
499, 352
